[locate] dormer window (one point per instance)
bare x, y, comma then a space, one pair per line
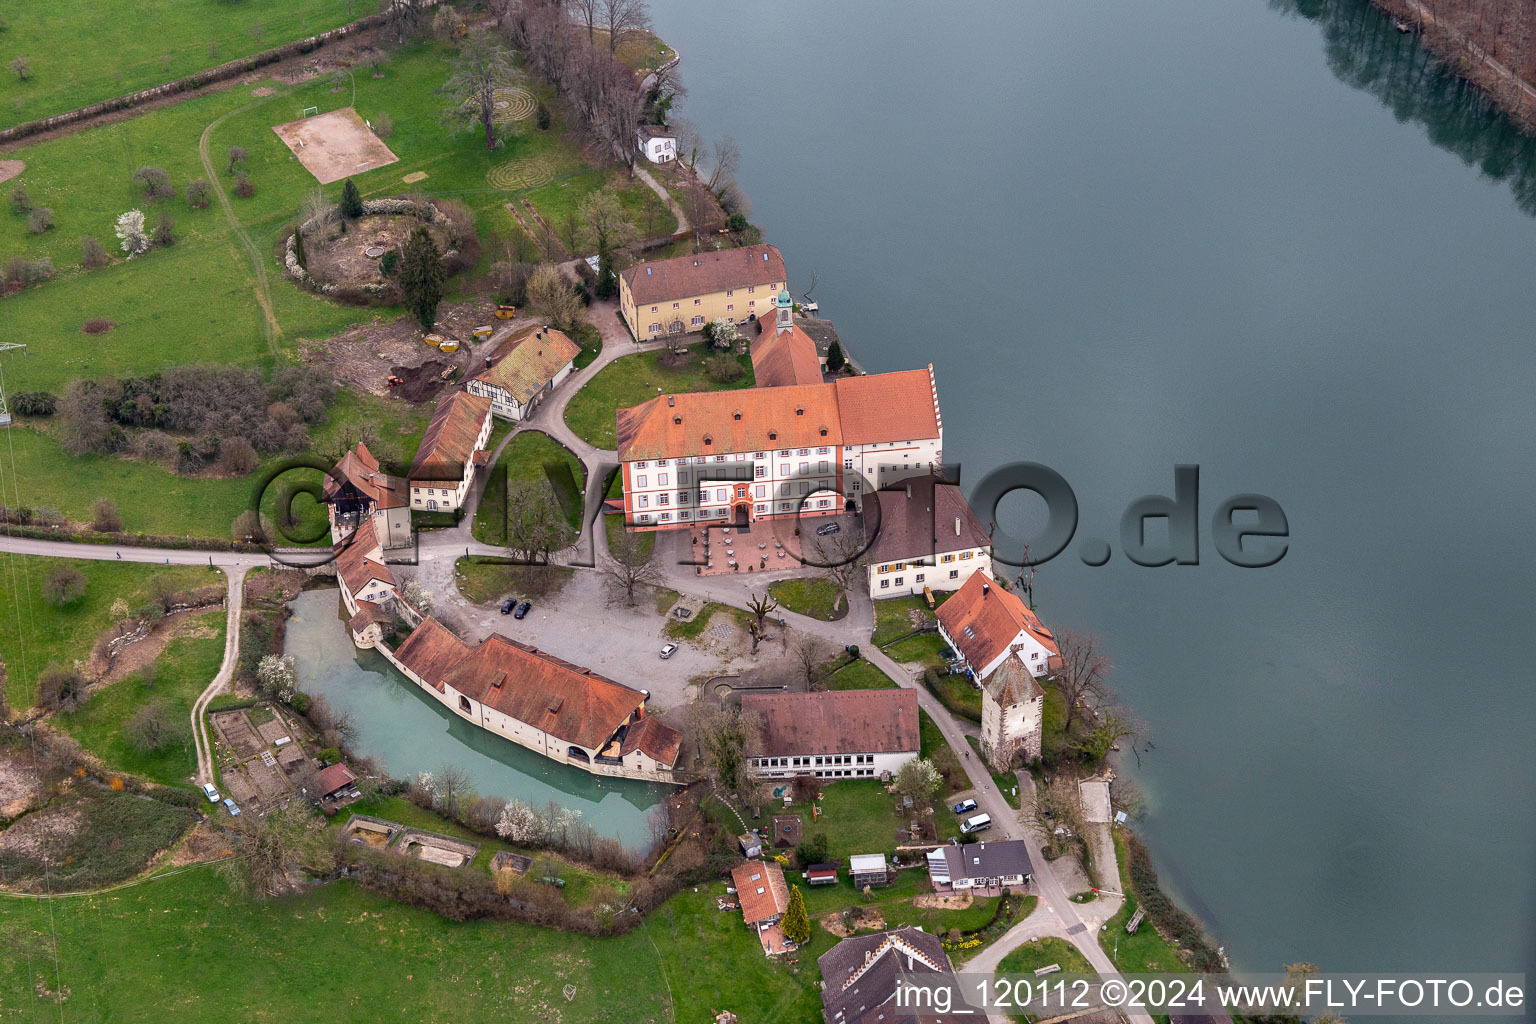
799, 410
736, 415
823, 431
708, 440
677, 421
773, 435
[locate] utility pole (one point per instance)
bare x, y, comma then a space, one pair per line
5, 413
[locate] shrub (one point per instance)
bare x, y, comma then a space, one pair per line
738, 222
40, 219
383, 125
104, 517
813, 850
59, 686
92, 255
27, 272
21, 200
154, 182
152, 728
236, 158
64, 586
351, 200
389, 262
198, 191
723, 368
165, 230
34, 403
243, 187
240, 457
298, 248
543, 118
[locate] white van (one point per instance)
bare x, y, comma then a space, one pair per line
979, 823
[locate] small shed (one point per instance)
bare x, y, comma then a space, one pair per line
868, 869
821, 874
334, 782
751, 846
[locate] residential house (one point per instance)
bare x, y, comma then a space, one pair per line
451, 449
862, 975
834, 734
782, 354
764, 896
1012, 714
681, 295
356, 490
986, 869
524, 370
564, 712
362, 575
925, 536
868, 869
985, 624
657, 142
784, 451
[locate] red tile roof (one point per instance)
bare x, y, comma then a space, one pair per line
431, 650
359, 468
564, 700
660, 281
449, 442
655, 738
354, 559
835, 722
333, 777
900, 406
761, 890
983, 619
781, 358
717, 422
367, 613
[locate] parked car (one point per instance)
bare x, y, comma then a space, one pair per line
830, 528
965, 806
980, 823
667, 651
507, 605
229, 805
523, 609
211, 793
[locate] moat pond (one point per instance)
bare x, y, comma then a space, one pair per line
409, 732
1266, 238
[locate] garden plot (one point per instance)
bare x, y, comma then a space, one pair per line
335, 145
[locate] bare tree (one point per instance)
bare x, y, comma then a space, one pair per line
840, 561
270, 849
725, 740
536, 524
588, 12
405, 18
553, 298
760, 607
725, 158
453, 789
810, 654
482, 66
152, 727
622, 17
1084, 672
1058, 815
632, 564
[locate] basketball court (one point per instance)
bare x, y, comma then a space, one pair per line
335, 145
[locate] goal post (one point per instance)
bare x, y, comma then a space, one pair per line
309, 111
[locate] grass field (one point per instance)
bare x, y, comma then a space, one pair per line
897, 617
859, 675
530, 457
1043, 952
81, 55
34, 632
958, 695
631, 380
924, 648
1006, 782
185, 668
936, 749
1146, 952
98, 837
811, 597
485, 581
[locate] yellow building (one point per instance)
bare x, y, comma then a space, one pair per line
681, 295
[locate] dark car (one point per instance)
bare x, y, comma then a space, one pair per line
522, 609
822, 531
508, 605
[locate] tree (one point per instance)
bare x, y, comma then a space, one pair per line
726, 157
1058, 807
277, 676
760, 607
130, 230
417, 596
351, 204
243, 187
607, 231
810, 654
153, 727
198, 191
405, 18
21, 67
155, 182
796, 923
631, 564
269, 849
840, 559
298, 248
536, 524
454, 789
383, 125
92, 255
165, 230
517, 823
59, 686
918, 779
40, 219
104, 517
722, 333
64, 586
724, 738
813, 850
21, 201
622, 17
1110, 726
587, 12
421, 277
236, 158
835, 358
553, 298
482, 66
542, 117
1084, 672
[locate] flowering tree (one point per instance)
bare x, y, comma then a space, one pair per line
130, 229
722, 332
417, 596
517, 823
918, 779
278, 676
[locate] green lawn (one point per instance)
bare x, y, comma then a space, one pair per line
1042, 953
185, 668
936, 749
1146, 952
898, 617
957, 694
687, 629
40, 633
79, 56
530, 457
924, 648
485, 581
630, 380
859, 675
614, 525
813, 597
1007, 782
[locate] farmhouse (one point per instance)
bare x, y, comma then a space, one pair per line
681, 295
834, 734
737, 457
657, 142
356, 490
986, 869
926, 536
450, 450
566, 713
985, 624
524, 370
861, 976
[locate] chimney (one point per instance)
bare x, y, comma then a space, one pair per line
671, 401
909, 492
986, 588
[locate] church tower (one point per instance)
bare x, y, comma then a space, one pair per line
785, 309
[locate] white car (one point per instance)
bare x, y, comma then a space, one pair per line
211, 793
668, 651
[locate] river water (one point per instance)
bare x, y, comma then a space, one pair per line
409, 732
1131, 235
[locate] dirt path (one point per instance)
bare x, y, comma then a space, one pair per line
236, 577
258, 259
683, 227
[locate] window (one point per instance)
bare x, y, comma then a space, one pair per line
655, 328
954, 574
805, 451
463, 703
682, 497
805, 487
666, 516
682, 478
698, 302
643, 518
700, 460
762, 471
663, 499
805, 467
751, 288
675, 305
822, 503
762, 490
920, 576
884, 583
883, 568
653, 309
661, 479
719, 458
643, 502
784, 452
760, 509
751, 303
783, 506
723, 494
821, 451
783, 469
640, 480
698, 321
703, 496
900, 580
949, 558
729, 293
1035, 656
682, 515
728, 308
823, 466
964, 555
660, 463
847, 463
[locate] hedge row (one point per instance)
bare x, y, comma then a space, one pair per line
1164, 913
